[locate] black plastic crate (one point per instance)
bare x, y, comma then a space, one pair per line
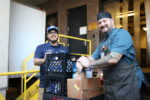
56, 85
58, 69
60, 64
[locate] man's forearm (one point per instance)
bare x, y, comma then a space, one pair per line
90, 58
106, 61
39, 62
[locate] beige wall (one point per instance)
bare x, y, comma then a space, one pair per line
4, 39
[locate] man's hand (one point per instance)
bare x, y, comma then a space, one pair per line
84, 61
80, 76
46, 55
79, 67
40, 61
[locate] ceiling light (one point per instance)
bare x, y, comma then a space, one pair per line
130, 13
144, 28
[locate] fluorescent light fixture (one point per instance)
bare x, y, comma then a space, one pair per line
130, 13
119, 26
144, 28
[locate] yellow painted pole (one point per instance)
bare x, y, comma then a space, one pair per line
31, 77
28, 58
23, 80
22, 84
61, 42
71, 37
25, 85
25, 77
80, 54
90, 48
1, 97
20, 72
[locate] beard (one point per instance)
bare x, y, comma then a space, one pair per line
53, 41
104, 30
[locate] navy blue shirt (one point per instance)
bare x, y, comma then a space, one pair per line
120, 41
40, 53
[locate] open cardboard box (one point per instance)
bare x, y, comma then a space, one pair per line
84, 88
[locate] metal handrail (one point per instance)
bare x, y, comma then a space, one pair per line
19, 72
24, 79
31, 77
80, 54
76, 38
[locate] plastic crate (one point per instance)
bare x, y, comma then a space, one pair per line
56, 85
60, 64
58, 69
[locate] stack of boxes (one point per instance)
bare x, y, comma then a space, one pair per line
84, 89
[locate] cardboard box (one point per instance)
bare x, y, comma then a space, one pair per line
84, 88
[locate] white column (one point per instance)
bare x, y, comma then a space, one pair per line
4, 42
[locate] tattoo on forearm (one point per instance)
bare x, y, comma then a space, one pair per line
115, 56
106, 61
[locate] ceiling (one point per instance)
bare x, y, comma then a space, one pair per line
38, 2
32, 2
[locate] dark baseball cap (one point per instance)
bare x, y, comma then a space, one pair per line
101, 15
52, 28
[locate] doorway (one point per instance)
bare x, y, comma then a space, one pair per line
77, 27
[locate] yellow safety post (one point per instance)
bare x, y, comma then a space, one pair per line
61, 42
1, 97
24, 77
19, 72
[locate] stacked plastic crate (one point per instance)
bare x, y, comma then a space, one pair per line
58, 69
